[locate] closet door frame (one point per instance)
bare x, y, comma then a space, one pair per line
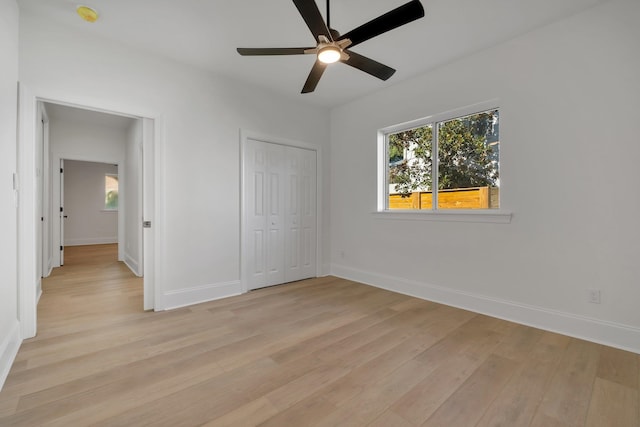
246, 135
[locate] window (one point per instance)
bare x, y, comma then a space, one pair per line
456, 153
111, 192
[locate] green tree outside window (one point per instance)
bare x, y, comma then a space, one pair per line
111, 192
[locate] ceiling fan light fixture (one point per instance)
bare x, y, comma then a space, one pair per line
329, 54
332, 47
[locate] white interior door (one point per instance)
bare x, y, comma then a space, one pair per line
279, 200
45, 248
264, 240
146, 235
300, 234
62, 214
275, 191
40, 193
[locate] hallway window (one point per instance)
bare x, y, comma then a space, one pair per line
111, 192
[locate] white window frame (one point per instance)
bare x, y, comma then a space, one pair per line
457, 215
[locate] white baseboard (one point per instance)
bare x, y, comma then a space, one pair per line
91, 241
132, 264
602, 332
200, 294
8, 350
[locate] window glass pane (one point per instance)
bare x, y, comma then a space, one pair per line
111, 192
409, 176
468, 162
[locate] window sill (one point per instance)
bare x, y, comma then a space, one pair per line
109, 210
487, 216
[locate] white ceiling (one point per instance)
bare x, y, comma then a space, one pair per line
205, 33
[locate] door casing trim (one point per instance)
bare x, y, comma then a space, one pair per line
27, 203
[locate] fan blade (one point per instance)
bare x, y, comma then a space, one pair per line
251, 51
387, 22
311, 15
314, 77
369, 66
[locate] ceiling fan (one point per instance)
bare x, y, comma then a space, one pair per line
332, 47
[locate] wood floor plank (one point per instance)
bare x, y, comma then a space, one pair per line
367, 405
469, 402
419, 403
136, 399
84, 344
612, 405
199, 403
300, 388
303, 413
569, 393
550, 347
251, 414
8, 406
332, 336
516, 404
324, 351
453, 360
390, 418
543, 420
519, 343
618, 366
198, 353
373, 371
75, 368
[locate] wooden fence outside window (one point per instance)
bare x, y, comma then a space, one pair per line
458, 198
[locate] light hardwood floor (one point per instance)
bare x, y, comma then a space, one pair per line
321, 352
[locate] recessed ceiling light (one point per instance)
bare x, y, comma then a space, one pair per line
87, 13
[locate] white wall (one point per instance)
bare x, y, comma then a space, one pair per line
72, 140
569, 106
133, 198
9, 328
197, 225
87, 222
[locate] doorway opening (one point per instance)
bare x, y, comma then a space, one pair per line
93, 150
80, 135
90, 211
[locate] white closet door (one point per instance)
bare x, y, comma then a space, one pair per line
300, 233
279, 199
263, 202
275, 215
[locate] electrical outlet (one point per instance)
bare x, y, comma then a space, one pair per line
342, 254
594, 296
